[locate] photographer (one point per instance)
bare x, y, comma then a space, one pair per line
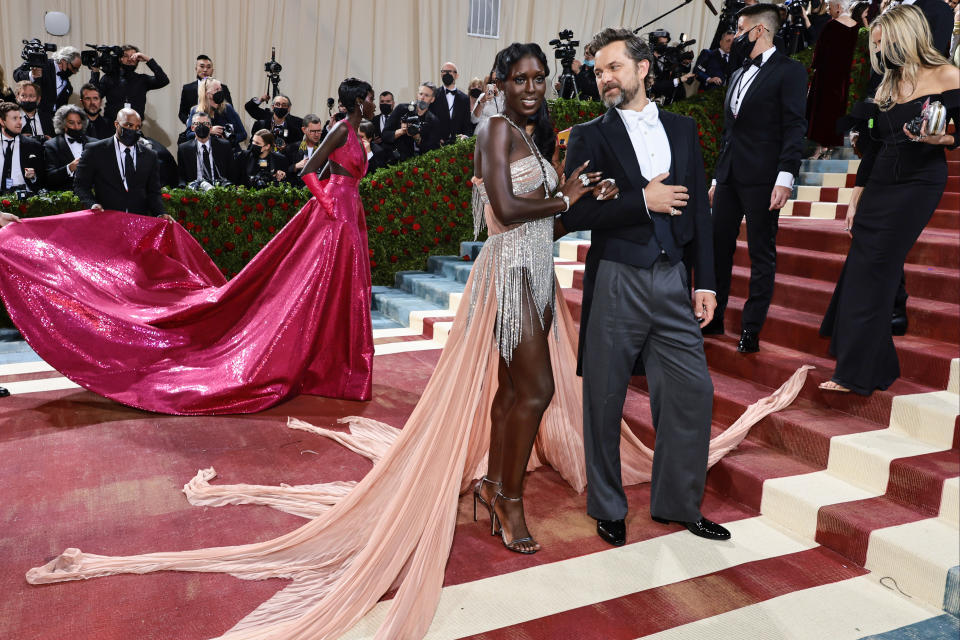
61, 153
21, 157
286, 129
300, 154
188, 94
488, 103
713, 65
225, 121
36, 123
586, 79
53, 78
671, 69
412, 128
205, 158
123, 85
97, 126
259, 165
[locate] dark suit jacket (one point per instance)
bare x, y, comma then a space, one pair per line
710, 64
46, 122
292, 125
31, 157
100, 128
766, 137
50, 100
98, 180
122, 87
248, 165
222, 152
404, 146
616, 224
188, 99
460, 123
940, 17
56, 157
166, 165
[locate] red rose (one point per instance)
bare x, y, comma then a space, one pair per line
238, 230
403, 231
245, 255
416, 227
426, 191
249, 237
436, 159
389, 182
464, 204
426, 249
380, 229
214, 223
184, 199
268, 214
438, 228
271, 202
296, 202
416, 170
452, 160
271, 228
394, 258
391, 217
399, 173
452, 224
243, 218
403, 189
466, 258
205, 240
229, 246
259, 206
206, 213
256, 224
22, 208
247, 208
469, 156
230, 219
457, 179
452, 206
165, 196
373, 263
395, 232
5, 202
217, 251
446, 198
465, 169
373, 183
409, 183
436, 240
284, 206
407, 220
376, 207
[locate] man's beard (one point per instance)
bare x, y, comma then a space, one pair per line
92, 114
624, 96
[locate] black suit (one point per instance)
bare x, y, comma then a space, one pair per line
762, 140
50, 100
294, 154
448, 127
940, 16
636, 316
248, 166
100, 128
166, 165
46, 124
222, 156
31, 157
98, 180
291, 130
126, 86
188, 99
404, 145
56, 156
711, 64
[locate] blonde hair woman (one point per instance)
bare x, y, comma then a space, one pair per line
226, 123
6, 93
899, 184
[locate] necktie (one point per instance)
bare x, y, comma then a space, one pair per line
128, 168
7, 165
33, 126
207, 170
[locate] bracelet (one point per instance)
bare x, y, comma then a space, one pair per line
566, 201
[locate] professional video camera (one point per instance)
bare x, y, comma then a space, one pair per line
104, 57
793, 30
35, 52
263, 178
273, 69
728, 20
672, 61
204, 185
565, 50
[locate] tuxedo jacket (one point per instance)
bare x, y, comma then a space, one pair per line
403, 145
50, 100
766, 136
56, 157
98, 180
166, 164
100, 128
711, 65
940, 16
222, 152
188, 99
448, 126
617, 226
31, 157
46, 122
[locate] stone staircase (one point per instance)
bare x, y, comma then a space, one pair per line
875, 479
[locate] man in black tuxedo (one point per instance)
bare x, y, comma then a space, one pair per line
451, 106
286, 129
53, 78
61, 153
97, 126
205, 157
188, 94
759, 158
397, 133
713, 66
118, 174
36, 123
636, 315
386, 106
21, 157
125, 86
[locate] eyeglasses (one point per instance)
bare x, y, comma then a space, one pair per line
453, 71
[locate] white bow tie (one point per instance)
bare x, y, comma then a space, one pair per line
648, 117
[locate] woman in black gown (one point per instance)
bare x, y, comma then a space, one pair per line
901, 179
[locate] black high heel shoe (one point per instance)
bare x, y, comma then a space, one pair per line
497, 527
478, 497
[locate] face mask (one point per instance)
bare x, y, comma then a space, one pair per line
741, 47
128, 68
447, 78
476, 93
75, 134
66, 73
385, 108
202, 130
128, 137
281, 112
28, 105
256, 149
422, 105
885, 62
218, 97
588, 63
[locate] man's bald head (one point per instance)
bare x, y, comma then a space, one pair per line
129, 119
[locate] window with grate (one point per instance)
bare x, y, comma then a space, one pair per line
484, 20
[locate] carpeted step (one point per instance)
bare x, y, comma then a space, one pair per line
928, 318
945, 219
452, 267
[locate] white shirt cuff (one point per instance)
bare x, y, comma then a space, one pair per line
785, 179
69, 171
706, 291
713, 182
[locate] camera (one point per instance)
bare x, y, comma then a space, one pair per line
412, 119
227, 130
104, 57
728, 20
565, 50
263, 178
35, 52
273, 69
204, 185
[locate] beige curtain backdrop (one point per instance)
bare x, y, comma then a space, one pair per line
395, 44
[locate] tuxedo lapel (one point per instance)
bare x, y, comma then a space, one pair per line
678, 147
766, 70
615, 133
734, 81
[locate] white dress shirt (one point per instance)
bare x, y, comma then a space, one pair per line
16, 173
35, 126
450, 97
739, 92
61, 83
650, 143
121, 156
76, 148
200, 168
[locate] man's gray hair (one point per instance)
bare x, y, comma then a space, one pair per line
66, 54
60, 117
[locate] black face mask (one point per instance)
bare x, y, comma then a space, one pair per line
75, 135
218, 97
256, 149
385, 108
740, 49
202, 130
476, 92
885, 62
447, 79
128, 68
28, 105
281, 112
10, 134
65, 73
128, 137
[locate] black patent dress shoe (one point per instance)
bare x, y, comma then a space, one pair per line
898, 324
713, 328
613, 531
749, 341
702, 527
4, 392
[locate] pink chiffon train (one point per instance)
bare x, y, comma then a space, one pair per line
394, 528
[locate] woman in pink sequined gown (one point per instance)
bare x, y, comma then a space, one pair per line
137, 312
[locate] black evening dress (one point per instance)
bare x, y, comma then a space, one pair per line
903, 182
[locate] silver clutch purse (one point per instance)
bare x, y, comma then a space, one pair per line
936, 116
